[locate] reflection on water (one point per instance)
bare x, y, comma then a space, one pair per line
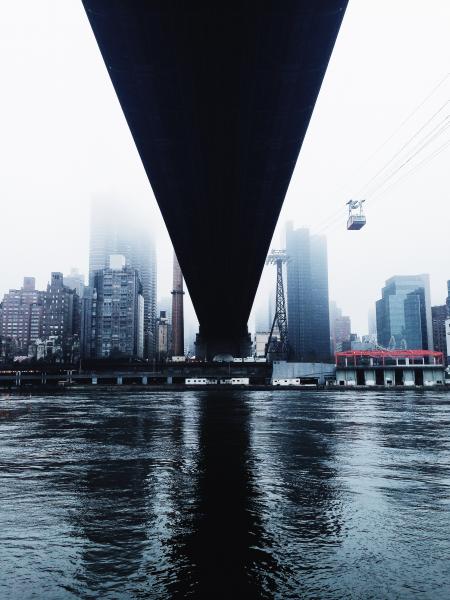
225, 494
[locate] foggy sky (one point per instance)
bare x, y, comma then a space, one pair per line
64, 139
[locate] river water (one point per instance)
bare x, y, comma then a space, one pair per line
225, 495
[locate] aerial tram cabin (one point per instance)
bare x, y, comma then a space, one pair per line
356, 218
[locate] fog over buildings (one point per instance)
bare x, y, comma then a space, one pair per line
65, 140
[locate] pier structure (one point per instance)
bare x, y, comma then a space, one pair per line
388, 368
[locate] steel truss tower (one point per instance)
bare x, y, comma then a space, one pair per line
278, 349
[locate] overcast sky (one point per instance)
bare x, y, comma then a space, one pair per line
63, 139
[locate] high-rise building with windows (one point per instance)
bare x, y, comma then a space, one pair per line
448, 297
75, 281
61, 316
20, 322
117, 312
307, 296
340, 328
404, 313
116, 229
439, 315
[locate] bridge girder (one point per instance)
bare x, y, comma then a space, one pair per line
218, 97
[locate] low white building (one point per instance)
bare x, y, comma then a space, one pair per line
387, 368
297, 373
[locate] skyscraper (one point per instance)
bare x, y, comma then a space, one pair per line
117, 326
75, 281
404, 313
439, 315
177, 310
115, 229
448, 297
61, 315
307, 295
19, 314
372, 322
340, 328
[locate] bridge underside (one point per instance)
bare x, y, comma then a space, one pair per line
218, 97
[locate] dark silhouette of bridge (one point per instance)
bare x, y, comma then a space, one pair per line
218, 96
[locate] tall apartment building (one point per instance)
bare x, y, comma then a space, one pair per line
448, 297
61, 315
116, 230
22, 315
75, 281
439, 315
116, 312
31, 315
404, 313
340, 328
307, 296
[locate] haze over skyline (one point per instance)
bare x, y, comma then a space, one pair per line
65, 140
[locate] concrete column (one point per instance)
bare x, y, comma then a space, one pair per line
369, 375
169, 379
94, 379
389, 375
351, 377
18, 378
144, 380
408, 377
119, 380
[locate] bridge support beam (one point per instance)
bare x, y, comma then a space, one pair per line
211, 344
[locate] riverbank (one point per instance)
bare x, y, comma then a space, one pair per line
31, 389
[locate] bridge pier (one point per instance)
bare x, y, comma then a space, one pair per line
210, 344
94, 380
119, 380
144, 380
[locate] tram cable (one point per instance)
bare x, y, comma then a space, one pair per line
441, 127
405, 145
338, 213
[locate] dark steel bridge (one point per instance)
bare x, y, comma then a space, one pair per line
218, 96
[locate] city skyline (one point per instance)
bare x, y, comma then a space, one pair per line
282, 166
352, 118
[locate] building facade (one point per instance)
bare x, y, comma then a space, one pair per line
32, 316
340, 327
21, 321
387, 368
116, 312
404, 313
61, 316
75, 281
307, 296
439, 315
116, 230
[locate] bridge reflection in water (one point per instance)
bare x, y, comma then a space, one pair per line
219, 495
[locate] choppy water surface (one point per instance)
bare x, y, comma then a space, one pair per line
220, 495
